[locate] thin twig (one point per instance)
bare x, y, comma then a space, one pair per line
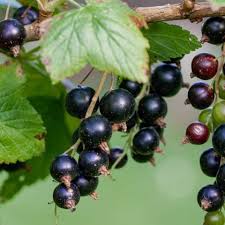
87, 75
7, 10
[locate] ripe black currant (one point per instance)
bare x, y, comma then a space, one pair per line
64, 169
214, 218
204, 66
196, 133
167, 80
78, 101
95, 130
115, 154
200, 95
132, 121
26, 15
159, 130
210, 198
220, 178
218, 140
12, 33
117, 105
86, 185
133, 87
213, 30
210, 162
146, 141
152, 109
66, 198
94, 162
143, 158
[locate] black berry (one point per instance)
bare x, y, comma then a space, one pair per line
115, 154
220, 178
218, 140
132, 121
133, 87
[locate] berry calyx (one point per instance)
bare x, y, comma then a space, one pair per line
66, 198
210, 198
210, 162
196, 133
94, 162
204, 66
214, 218
167, 80
218, 140
78, 100
117, 105
200, 95
26, 15
114, 155
133, 87
12, 33
95, 131
213, 30
64, 169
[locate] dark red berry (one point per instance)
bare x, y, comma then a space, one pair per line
26, 15
200, 95
218, 140
213, 30
204, 66
12, 33
210, 198
196, 133
66, 198
115, 154
117, 105
210, 162
78, 101
133, 87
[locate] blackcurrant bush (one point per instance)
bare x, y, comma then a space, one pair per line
210, 162
210, 198
86, 185
167, 80
218, 140
117, 105
204, 66
213, 30
133, 87
132, 121
146, 141
95, 130
206, 117
115, 154
78, 101
94, 162
200, 95
143, 158
152, 109
196, 133
66, 198
12, 33
64, 169
220, 178
218, 113
214, 218
26, 15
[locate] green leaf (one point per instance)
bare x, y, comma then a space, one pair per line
101, 34
169, 41
217, 2
20, 124
29, 2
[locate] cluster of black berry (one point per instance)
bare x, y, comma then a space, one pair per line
12, 31
202, 96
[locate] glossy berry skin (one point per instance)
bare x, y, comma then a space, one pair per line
86, 185
78, 101
197, 133
66, 198
157, 128
220, 178
151, 108
133, 87
12, 33
132, 121
218, 113
200, 95
141, 158
214, 218
210, 162
210, 198
26, 15
117, 105
91, 162
218, 140
64, 169
204, 66
95, 130
167, 80
115, 154
146, 141
213, 30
